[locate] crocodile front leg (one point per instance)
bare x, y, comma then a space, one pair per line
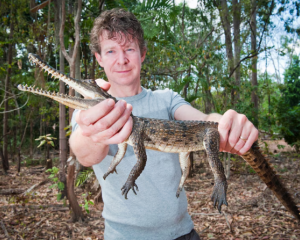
117, 159
211, 144
140, 153
184, 160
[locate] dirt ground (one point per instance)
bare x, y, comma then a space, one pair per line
253, 211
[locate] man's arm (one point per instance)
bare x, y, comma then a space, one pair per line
233, 128
106, 123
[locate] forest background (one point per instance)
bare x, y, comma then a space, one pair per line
209, 54
219, 55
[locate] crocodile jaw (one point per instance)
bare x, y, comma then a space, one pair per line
72, 102
88, 89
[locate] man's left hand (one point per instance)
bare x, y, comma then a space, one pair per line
237, 133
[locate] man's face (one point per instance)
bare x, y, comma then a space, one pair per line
121, 60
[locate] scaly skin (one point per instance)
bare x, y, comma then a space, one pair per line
168, 136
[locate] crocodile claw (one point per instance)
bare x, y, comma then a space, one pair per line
178, 192
109, 172
219, 195
127, 186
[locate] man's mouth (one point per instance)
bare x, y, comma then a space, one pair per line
123, 71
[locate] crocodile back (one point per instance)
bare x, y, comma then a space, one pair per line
173, 136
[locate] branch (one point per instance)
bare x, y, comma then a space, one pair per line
16, 108
61, 32
77, 29
257, 50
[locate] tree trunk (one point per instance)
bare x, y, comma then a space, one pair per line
63, 150
224, 15
5, 162
31, 138
77, 214
62, 133
93, 68
254, 97
237, 45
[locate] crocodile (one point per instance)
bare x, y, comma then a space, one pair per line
167, 136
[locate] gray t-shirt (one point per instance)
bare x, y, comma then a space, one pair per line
154, 213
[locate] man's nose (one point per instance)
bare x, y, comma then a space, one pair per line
122, 58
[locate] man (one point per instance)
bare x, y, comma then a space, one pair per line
155, 213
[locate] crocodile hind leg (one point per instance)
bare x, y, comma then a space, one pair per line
140, 153
117, 159
259, 163
184, 160
211, 144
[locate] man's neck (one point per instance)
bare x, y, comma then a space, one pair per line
124, 91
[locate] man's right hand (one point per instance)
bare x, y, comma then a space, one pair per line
107, 122
103, 124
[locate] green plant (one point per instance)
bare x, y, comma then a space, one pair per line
251, 170
83, 177
86, 202
56, 183
48, 140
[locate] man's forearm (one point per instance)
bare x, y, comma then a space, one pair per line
87, 152
213, 117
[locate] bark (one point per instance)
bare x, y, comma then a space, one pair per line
5, 162
76, 214
22, 140
12, 191
93, 68
63, 151
71, 59
254, 97
224, 15
236, 5
31, 138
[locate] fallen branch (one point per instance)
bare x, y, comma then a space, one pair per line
31, 206
205, 214
4, 229
228, 224
284, 214
11, 191
36, 186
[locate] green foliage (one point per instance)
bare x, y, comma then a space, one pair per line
288, 110
56, 183
83, 177
47, 139
86, 202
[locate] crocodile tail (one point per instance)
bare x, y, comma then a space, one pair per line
262, 167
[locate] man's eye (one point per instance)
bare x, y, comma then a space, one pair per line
129, 49
111, 51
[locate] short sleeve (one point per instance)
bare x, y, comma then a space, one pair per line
176, 102
73, 121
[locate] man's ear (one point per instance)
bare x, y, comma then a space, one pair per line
99, 59
143, 56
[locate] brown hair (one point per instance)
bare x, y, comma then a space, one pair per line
119, 23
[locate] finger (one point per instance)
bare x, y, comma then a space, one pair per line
103, 84
251, 139
95, 113
237, 127
107, 134
123, 134
224, 128
112, 117
243, 138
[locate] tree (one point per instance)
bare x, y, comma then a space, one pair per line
288, 111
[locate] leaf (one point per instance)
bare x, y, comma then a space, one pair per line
61, 185
42, 143
52, 143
